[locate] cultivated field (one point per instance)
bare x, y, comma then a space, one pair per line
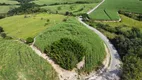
8, 1
48, 2
76, 9
23, 26
19, 62
108, 10
72, 29
126, 21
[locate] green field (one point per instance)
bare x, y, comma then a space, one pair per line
6, 8
76, 9
41, 2
19, 62
8, 1
108, 10
21, 27
126, 21
72, 29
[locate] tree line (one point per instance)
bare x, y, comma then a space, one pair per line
129, 45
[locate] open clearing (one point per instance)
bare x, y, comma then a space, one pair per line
94, 46
21, 27
19, 62
108, 10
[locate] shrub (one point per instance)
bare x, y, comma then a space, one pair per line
29, 40
66, 52
3, 35
1, 29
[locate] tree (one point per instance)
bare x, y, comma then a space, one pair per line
66, 52
132, 67
3, 35
1, 29
29, 40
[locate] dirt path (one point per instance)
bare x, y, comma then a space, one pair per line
62, 73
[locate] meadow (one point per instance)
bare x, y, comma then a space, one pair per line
76, 9
48, 2
8, 1
126, 21
74, 30
109, 9
19, 62
24, 26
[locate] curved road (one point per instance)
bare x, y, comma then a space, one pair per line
113, 71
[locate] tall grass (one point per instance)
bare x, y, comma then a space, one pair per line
74, 30
19, 62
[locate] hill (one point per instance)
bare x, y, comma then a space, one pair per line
73, 30
23, 26
19, 62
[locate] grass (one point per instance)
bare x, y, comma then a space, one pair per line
76, 9
129, 22
126, 21
111, 8
41, 2
6, 8
21, 27
19, 62
8, 1
74, 30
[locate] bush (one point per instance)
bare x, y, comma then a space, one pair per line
3, 35
1, 29
29, 40
66, 52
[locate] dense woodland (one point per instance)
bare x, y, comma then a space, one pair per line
26, 7
129, 46
66, 52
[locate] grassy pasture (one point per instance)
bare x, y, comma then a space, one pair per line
74, 8
19, 62
111, 8
72, 29
8, 1
21, 27
126, 21
41, 2
6, 8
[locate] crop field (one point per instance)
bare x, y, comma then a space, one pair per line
94, 46
126, 21
19, 62
8, 1
76, 9
23, 26
61, 6
6, 8
41, 2
108, 10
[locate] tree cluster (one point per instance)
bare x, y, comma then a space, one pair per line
131, 15
129, 45
66, 52
26, 7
